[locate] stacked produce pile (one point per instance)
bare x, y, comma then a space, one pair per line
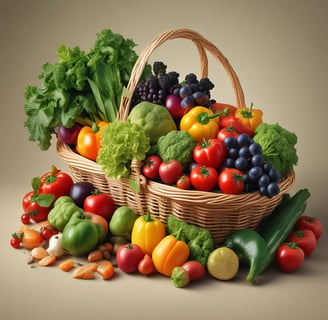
184, 138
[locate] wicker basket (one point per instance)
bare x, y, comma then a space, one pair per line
219, 213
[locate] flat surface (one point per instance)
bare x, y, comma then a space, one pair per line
278, 49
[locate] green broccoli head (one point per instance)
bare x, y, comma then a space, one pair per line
176, 145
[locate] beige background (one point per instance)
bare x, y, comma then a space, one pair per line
279, 51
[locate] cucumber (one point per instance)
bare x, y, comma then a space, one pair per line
276, 227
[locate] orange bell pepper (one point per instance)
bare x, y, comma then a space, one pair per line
201, 123
147, 232
88, 140
170, 253
249, 116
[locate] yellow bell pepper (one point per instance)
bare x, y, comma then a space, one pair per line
170, 253
201, 123
147, 232
249, 116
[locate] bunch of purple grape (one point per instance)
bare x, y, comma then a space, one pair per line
246, 155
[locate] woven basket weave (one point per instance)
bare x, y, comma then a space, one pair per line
219, 213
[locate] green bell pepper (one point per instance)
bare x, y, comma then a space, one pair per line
81, 235
62, 212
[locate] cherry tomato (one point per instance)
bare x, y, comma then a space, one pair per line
15, 242
128, 257
25, 218
227, 132
195, 270
210, 153
37, 213
203, 178
289, 257
146, 265
183, 182
170, 171
46, 233
56, 182
311, 223
101, 204
151, 167
231, 181
305, 239
27, 200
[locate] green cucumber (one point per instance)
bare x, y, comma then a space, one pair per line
258, 249
277, 226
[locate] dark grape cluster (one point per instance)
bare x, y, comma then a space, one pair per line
158, 86
246, 155
162, 83
194, 92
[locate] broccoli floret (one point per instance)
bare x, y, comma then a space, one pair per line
176, 145
199, 241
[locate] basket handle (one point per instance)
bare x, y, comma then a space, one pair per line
201, 44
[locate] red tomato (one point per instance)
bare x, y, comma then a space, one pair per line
184, 182
146, 265
195, 270
25, 218
101, 204
56, 182
210, 153
151, 167
128, 257
170, 171
311, 223
227, 132
203, 178
231, 181
289, 257
37, 213
27, 200
305, 239
15, 242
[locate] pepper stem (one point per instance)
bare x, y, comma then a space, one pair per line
148, 218
205, 118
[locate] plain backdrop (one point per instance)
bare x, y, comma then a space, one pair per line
279, 52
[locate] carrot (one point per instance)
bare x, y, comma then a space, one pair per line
67, 265
47, 260
85, 271
105, 269
39, 252
31, 238
95, 255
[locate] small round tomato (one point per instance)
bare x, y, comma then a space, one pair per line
231, 181
170, 171
184, 182
227, 132
203, 178
128, 257
311, 223
305, 239
46, 233
15, 242
151, 166
289, 257
101, 204
25, 218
